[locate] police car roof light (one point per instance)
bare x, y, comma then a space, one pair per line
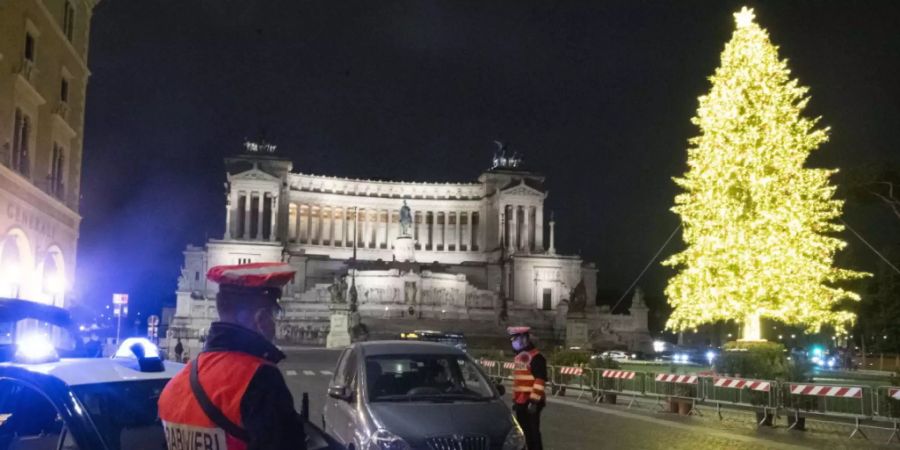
35, 349
142, 350
137, 347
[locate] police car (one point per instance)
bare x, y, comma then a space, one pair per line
50, 399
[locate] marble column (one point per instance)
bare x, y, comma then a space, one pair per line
248, 197
513, 228
309, 234
337, 233
526, 229
297, 222
379, 236
260, 210
470, 239
429, 229
458, 227
539, 229
229, 200
273, 218
321, 227
387, 228
552, 238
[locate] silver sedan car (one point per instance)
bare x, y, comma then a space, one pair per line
402, 395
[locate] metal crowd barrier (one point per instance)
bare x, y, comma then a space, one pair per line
609, 383
505, 370
679, 387
491, 368
742, 392
853, 402
563, 378
799, 400
887, 408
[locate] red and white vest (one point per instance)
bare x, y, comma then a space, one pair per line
525, 386
224, 377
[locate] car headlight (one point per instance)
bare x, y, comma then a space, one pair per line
385, 440
515, 439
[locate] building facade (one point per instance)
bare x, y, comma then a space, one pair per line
43, 82
464, 256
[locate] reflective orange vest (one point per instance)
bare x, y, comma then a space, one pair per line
525, 386
224, 377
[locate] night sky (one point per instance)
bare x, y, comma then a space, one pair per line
597, 96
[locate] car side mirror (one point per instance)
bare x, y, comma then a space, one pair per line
501, 389
340, 392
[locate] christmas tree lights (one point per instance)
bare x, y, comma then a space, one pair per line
759, 226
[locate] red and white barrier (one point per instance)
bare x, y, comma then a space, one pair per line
672, 378
509, 365
620, 374
740, 383
826, 391
894, 393
488, 363
571, 371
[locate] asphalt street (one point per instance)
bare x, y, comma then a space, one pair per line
571, 425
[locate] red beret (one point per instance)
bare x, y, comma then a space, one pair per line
256, 275
515, 331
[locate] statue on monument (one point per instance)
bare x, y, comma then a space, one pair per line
405, 219
578, 296
638, 300
337, 289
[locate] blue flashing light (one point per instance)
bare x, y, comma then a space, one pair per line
34, 349
817, 350
710, 356
143, 351
131, 347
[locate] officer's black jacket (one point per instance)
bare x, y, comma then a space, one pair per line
267, 409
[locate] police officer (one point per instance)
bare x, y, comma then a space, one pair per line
529, 378
232, 396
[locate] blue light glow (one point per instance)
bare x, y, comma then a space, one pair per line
126, 349
35, 348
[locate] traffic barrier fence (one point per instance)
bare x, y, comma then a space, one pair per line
798, 399
805, 399
743, 392
563, 378
887, 407
608, 383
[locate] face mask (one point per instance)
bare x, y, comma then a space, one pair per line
519, 343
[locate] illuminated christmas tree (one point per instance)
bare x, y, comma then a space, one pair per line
759, 227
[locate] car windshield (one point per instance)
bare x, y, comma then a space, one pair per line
125, 413
441, 377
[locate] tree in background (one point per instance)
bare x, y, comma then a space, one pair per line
759, 226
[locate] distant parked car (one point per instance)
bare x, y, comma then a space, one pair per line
615, 355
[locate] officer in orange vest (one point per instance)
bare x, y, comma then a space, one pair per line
529, 378
232, 396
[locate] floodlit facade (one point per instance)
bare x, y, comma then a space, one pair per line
43, 81
468, 256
